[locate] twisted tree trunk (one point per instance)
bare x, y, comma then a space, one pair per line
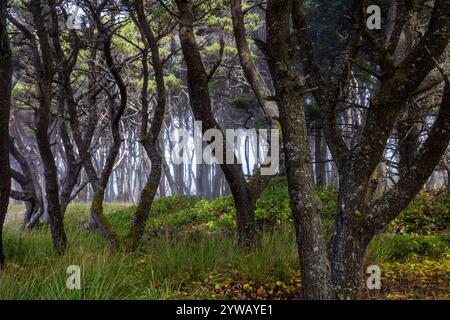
197, 78
45, 71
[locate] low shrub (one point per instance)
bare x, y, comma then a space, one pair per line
403, 247
425, 214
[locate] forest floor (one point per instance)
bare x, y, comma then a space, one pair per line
189, 252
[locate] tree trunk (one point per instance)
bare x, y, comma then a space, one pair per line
349, 245
5, 105
42, 116
320, 155
26, 181
149, 136
251, 72
305, 204
201, 106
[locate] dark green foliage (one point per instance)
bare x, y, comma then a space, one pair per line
402, 247
424, 215
312, 112
184, 216
244, 101
273, 206
261, 122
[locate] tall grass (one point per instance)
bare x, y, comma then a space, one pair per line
169, 262
157, 271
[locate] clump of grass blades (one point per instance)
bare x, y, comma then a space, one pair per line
157, 271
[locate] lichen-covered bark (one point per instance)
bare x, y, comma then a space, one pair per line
115, 115
357, 220
305, 204
5, 104
101, 221
362, 210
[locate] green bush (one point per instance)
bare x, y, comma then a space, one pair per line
401, 247
426, 213
185, 216
273, 207
181, 215
328, 211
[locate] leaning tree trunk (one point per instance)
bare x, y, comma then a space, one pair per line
5, 104
116, 113
198, 79
251, 72
25, 179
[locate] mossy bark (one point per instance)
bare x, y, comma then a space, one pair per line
149, 134
101, 221
305, 204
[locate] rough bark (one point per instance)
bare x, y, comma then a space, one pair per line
305, 204
357, 222
45, 73
115, 115
5, 105
361, 212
